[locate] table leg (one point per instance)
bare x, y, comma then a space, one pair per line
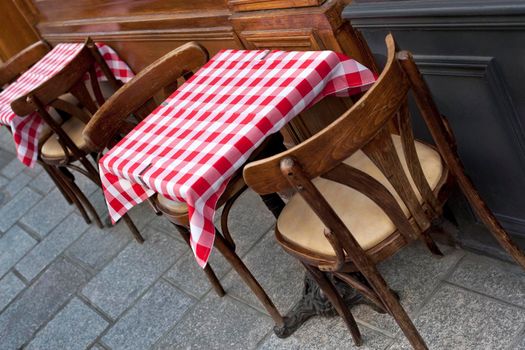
313, 302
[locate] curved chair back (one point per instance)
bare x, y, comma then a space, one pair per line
365, 126
22, 61
137, 97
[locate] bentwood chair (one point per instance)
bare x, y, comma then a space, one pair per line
22, 61
366, 188
66, 146
9, 72
137, 98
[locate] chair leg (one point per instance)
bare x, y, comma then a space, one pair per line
58, 182
134, 230
431, 244
236, 262
210, 274
83, 199
64, 184
394, 307
488, 218
335, 298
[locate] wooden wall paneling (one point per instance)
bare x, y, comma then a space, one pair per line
16, 33
472, 58
317, 27
143, 30
254, 5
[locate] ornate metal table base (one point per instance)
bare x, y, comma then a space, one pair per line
315, 303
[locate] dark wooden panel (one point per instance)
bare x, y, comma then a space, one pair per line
472, 57
15, 32
251, 5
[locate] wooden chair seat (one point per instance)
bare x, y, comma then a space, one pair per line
300, 226
52, 150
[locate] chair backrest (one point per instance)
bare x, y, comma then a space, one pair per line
365, 126
137, 97
70, 79
22, 61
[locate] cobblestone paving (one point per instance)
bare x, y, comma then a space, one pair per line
68, 285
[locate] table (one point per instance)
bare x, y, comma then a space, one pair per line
190, 146
26, 129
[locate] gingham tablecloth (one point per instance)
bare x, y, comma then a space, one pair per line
191, 145
26, 129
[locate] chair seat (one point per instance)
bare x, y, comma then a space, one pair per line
299, 225
52, 150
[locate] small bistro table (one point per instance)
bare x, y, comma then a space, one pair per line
26, 130
189, 147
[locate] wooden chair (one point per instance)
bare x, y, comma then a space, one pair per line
138, 98
366, 188
22, 61
9, 72
66, 144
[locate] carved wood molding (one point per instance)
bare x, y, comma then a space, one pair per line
300, 39
484, 67
254, 5
201, 34
438, 14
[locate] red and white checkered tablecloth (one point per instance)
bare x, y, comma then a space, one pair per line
191, 145
26, 129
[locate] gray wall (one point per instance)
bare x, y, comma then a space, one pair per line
472, 54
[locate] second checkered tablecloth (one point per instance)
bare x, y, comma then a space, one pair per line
26, 129
191, 145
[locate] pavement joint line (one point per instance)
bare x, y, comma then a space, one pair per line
443, 279
472, 291
28, 230
184, 315
94, 307
137, 300
19, 295
51, 317
174, 285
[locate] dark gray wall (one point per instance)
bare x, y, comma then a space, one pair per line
472, 54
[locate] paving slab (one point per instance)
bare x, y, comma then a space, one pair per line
36, 170
6, 141
129, 274
156, 312
326, 333
14, 244
520, 343
10, 286
5, 158
14, 209
96, 247
13, 168
3, 181
280, 274
42, 183
460, 319
493, 277
218, 323
415, 274
47, 214
190, 277
249, 220
74, 327
51, 246
38, 303
16, 184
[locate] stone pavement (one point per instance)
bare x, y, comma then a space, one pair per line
67, 285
